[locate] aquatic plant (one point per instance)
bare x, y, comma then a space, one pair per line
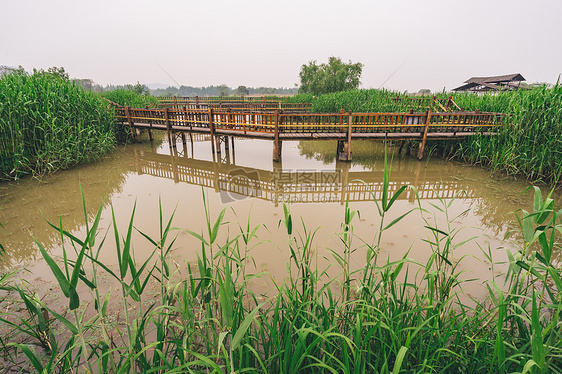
48, 123
386, 316
529, 145
130, 97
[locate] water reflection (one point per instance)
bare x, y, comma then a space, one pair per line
304, 185
309, 178
330, 181
27, 205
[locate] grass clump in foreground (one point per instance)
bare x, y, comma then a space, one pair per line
47, 123
375, 319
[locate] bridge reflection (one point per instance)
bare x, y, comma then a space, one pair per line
235, 182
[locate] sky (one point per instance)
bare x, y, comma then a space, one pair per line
403, 44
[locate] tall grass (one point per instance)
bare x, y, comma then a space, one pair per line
48, 123
129, 97
366, 101
529, 145
385, 317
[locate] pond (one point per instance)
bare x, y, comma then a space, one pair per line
244, 179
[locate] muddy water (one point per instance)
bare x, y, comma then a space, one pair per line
244, 179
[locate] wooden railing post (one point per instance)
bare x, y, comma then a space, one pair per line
168, 126
424, 138
150, 134
212, 130
349, 129
276, 142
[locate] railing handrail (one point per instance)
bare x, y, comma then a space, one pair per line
310, 122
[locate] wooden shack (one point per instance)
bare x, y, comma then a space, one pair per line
484, 84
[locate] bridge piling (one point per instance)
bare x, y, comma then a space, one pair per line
424, 138
150, 134
276, 141
129, 120
168, 127
344, 146
212, 130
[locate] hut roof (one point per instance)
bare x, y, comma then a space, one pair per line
509, 81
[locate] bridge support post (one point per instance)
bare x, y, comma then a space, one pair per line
424, 138
276, 142
150, 134
344, 146
277, 146
130, 120
212, 130
168, 127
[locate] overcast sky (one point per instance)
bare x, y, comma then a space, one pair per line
426, 44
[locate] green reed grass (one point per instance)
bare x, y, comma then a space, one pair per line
386, 317
529, 145
48, 123
367, 101
126, 97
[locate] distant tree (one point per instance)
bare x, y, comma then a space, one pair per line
141, 89
224, 90
331, 77
87, 84
242, 91
4, 70
424, 91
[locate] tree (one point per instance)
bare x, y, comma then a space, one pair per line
141, 89
223, 90
242, 91
331, 77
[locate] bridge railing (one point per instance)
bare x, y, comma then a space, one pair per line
389, 122
266, 122
244, 121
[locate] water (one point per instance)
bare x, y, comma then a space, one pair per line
246, 181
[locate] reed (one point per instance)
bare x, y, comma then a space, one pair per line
48, 123
367, 101
387, 317
529, 145
131, 98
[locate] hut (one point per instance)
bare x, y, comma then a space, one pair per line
500, 82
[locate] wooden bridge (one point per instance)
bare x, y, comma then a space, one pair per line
298, 186
297, 124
